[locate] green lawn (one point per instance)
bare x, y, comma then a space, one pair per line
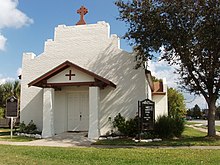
190, 137
22, 155
51, 155
5, 135
217, 127
191, 123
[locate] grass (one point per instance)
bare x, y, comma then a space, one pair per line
22, 155
190, 137
191, 123
117, 156
5, 136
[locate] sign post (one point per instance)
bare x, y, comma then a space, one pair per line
11, 127
12, 110
146, 113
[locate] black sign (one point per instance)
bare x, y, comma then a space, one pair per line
12, 107
147, 114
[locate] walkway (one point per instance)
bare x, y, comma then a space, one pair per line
202, 129
66, 139
203, 122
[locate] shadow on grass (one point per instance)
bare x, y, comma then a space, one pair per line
190, 137
5, 132
185, 141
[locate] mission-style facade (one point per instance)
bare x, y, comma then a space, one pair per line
82, 80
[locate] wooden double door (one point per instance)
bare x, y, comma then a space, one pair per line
78, 111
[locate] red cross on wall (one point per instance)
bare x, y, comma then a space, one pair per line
82, 11
70, 75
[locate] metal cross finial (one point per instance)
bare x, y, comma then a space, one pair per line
82, 11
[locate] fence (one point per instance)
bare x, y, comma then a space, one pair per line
5, 122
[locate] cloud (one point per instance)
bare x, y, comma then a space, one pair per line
2, 42
161, 69
5, 79
192, 100
19, 71
11, 17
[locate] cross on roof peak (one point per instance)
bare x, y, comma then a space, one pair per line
82, 11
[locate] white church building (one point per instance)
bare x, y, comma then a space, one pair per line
82, 80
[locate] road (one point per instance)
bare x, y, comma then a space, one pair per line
204, 122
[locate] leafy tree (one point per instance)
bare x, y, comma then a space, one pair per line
196, 112
2, 113
189, 112
6, 90
1, 96
186, 33
176, 104
155, 79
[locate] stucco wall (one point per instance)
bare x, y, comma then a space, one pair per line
161, 102
91, 47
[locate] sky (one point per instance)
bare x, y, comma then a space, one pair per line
26, 24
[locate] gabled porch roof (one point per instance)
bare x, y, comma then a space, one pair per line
42, 80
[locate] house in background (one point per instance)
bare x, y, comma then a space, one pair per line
82, 80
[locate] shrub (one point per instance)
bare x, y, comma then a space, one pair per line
22, 127
131, 127
168, 127
127, 128
148, 135
179, 126
163, 127
30, 128
2, 113
119, 122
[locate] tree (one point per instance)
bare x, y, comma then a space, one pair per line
189, 113
196, 112
155, 79
176, 104
6, 90
186, 33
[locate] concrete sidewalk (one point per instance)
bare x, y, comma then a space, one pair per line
202, 129
67, 139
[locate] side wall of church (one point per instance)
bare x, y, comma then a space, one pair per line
161, 102
31, 106
124, 98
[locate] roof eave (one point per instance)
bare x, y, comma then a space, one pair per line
149, 79
39, 81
